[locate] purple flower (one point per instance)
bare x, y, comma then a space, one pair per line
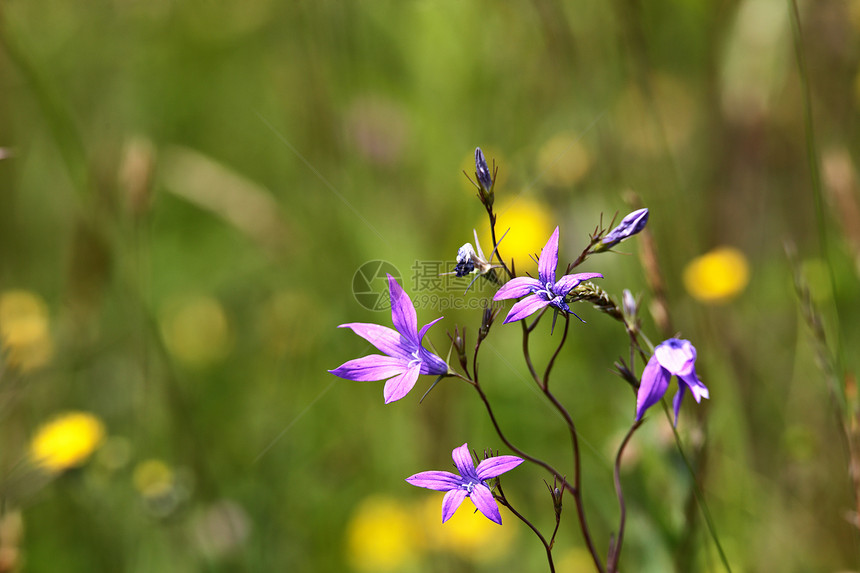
629, 226
544, 290
673, 357
471, 483
405, 359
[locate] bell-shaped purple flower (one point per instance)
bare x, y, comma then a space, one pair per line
629, 226
545, 290
405, 357
471, 483
673, 357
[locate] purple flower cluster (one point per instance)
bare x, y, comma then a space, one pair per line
403, 356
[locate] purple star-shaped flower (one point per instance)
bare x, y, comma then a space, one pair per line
406, 357
470, 483
544, 290
673, 357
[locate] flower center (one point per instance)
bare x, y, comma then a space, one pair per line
547, 292
468, 486
416, 358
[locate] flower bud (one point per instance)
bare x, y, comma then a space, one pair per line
482, 171
459, 341
629, 303
622, 370
629, 226
486, 322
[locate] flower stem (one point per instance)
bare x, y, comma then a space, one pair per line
543, 384
615, 547
703, 505
547, 546
554, 472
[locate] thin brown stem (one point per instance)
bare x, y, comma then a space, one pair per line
615, 547
557, 351
547, 546
577, 479
554, 472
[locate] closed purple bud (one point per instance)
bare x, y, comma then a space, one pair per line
482, 171
629, 226
629, 303
486, 322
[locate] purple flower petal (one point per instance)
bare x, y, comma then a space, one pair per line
436, 480
655, 380
548, 260
371, 367
676, 356
432, 364
463, 461
451, 502
483, 499
403, 311
695, 385
569, 282
676, 401
525, 307
399, 386
385, 339
492, 467
426, 327
515, 288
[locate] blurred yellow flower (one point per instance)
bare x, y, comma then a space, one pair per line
468, 534
717, 276
153, 478
563, 160
196, 331
530, 226
25, 330
66, 441
381, 535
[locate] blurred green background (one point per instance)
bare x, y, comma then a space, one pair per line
187, 190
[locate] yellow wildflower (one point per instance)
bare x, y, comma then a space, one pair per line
468, 533
717, 276
530, 226
381, 535
25, 330
67, 441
